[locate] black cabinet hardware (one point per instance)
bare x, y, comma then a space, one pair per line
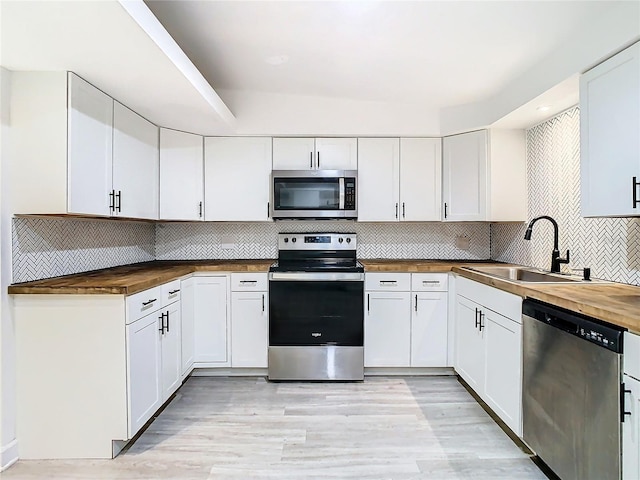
311, 160
416, 306
118, 206
112, 201
623, 392
167, 322
162, 327
477, 322
263, 302
396, 210
200, 209
367, 302
268, 210
253, 282
635, 191
174, 291
149, 302
402, 209
318, 159
481, 317
445, 210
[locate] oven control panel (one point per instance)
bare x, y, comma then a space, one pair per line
317, 241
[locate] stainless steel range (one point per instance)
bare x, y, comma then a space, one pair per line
316, 308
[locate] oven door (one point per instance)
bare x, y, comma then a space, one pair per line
311, 309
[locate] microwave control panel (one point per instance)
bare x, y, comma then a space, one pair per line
349, 193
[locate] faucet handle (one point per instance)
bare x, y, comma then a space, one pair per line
564, 260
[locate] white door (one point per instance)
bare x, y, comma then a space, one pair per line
469, 345
464, 177
249, 329
294, 154
211, 320
631, 430
90, 142
378, 179
187, 323
143, 368
387, 329
429, 329
171, 356
336, 153
237, 172
420, 179
181, 176
503, 376
609, 139
135, 164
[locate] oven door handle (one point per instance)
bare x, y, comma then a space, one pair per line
316, 277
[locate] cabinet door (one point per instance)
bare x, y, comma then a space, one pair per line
503, 377
420, 179
609, 140
294, 154
249, 327
181, 176
429, 329
387, 329
187, 324
336, 153
470, 358
143, 368
171, 357
211, 320
378, 179
464, 177
237, 172
631, 430
90, 141
135, 164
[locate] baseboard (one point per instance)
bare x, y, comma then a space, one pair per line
8, 455
229, 372
407, 371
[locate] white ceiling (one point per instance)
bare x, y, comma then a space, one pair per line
436, 53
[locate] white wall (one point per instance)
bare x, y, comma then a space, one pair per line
8, 442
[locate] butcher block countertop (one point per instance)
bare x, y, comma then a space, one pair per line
612, 302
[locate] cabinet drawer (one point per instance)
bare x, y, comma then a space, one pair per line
424, 282
246, 282
400, 282
170, 292
143, 303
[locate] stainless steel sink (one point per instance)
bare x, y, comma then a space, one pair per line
527, 275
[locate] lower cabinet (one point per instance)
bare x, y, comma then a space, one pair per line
211, 321
170, 349
429, 319
488, 346
387, 329
631, 429
249, 320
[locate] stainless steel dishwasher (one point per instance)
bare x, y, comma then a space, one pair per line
571, 392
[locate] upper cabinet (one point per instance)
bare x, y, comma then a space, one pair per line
609, 136
77, 151
236, 178
315, 153
181, 176
484, 176
399, 179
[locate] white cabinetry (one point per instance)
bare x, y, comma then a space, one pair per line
236, 172
181, 176
315, 153
489, 347
399, 179
484, 176
387, 320
631, 424
609, 140
429, 320
211, 321
187, 329
249, 319
135, 164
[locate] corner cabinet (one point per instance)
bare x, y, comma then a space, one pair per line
236, 177
484, 176
399, 179
301, 153
609, 139
93, 156
488, 346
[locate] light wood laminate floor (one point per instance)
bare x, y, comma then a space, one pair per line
246, 428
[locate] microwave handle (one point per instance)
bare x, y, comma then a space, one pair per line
341, 186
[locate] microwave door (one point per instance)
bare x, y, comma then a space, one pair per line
341, 187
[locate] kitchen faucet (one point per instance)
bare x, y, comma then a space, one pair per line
555, 255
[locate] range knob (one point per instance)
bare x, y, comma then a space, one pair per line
340, 240
293, 239
286, 239
348, 240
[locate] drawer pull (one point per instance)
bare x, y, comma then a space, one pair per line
248, 281
174, 291
430, 282
149, 302
388, 282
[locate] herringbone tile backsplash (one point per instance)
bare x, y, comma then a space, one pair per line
44, 247
609, 246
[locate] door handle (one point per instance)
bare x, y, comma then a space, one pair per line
481, 324
623, 391
167, 322
477, 317
112, 201
119, 198
318, 160
445, 210
402, 209
311, 160
396, 210
416, 306
635, 191
367, 303
200, 210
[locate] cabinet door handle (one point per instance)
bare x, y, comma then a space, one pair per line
162, 327
445, 210
481, 317
263, 303
119, 199
167, 322
635, 191
318, 160
174, 291
268, 211
396, 210
200, 209
477, 317
416, 306
112, 201
367, 303
623, 412
149, 302
402, 209
311, 160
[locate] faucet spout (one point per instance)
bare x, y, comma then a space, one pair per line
555, 254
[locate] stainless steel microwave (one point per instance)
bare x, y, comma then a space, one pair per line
314, 194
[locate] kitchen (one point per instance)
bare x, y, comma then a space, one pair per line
45, 247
